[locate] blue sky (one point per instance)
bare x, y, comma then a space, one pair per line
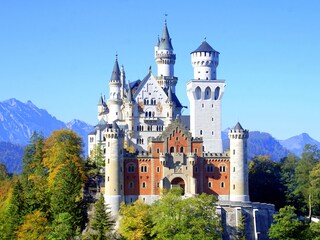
60, 54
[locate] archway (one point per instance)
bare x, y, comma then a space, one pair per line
178, 182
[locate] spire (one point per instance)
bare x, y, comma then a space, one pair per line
116, 71
169, 94
165, 42
100, 100
129, 92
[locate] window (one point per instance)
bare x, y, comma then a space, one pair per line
144, 185
181, 149
234, 169
234, 151
196, 169
196, 150
210, 168
234, 187
198, 93
171, 149
222, 184
158, 150
158, 184
207, 93
209, 184
200, 132
216, 93
131, 185
91, 139
144, 168
222, 168
158, 169
131, 168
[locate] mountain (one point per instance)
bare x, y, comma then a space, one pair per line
19, 120
296, 144
260, 143
11, 155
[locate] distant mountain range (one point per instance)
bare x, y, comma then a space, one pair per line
19, 120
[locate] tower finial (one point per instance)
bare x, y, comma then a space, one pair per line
116, 55
165, 18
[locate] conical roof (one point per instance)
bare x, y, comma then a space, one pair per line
238, 127
204, 47
116, 71
165, 42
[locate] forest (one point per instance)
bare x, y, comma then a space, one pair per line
49, 199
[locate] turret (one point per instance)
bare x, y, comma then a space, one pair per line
205, 61
239, 189
114, 167
115, 98
165, 60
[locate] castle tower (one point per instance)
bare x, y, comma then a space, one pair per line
205, 94
113, 167
165, 60
239, 190
115, 98
170, 108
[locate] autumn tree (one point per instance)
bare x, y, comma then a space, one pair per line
135, 221
63, 159
34, 227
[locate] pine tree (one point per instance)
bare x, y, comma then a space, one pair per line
103, 221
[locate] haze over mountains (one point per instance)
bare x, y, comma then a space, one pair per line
19, 120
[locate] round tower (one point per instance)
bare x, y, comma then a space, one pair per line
205, 61
115, 100
114, 167
239, 189
164, 56
205, 94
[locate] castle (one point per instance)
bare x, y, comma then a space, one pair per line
148, 145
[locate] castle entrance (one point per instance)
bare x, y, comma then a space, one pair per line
178, 182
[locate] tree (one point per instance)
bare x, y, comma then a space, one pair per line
135, 221
3, 172
191, 218
286, 225
265, 182
310, 157
63, 159
103, 221
62, 227
34, 227
288, 177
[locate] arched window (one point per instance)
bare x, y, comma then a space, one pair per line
144, 185
131, 185
216, 93
207, 93
143, 168
181, 149
197, 93
222, 168
171, 149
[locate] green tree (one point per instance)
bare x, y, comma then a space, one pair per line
3, 172
286, 225
135, 221
62, 227
102, 221
191, 218
314, 231
310, 157
288, 177
265, 182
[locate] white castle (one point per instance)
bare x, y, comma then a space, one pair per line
148, 145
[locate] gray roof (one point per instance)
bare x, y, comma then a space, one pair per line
204, 47
116, 71
238, 127
165, 42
